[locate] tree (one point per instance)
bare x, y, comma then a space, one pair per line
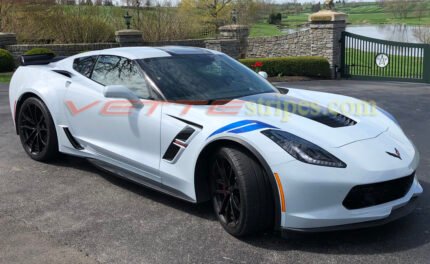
400, 9
421, 9
422, 33
275, 19
215, 12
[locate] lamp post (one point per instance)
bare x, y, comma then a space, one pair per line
234, 16
127, 19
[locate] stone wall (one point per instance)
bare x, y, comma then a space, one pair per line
72, 49
60, 49
200, 43
232, 47
295, 44
7, 39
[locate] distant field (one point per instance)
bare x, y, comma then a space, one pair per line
263, 29
295, 20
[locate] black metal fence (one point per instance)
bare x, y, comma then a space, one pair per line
375, 59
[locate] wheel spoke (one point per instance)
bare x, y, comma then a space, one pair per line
43, 141
233, 216
41, 120
28, 119
226, 191
40, 144
32, 134
33, 128
224, 204
220, 182
33, 143
221, 192
28, 127
234, 202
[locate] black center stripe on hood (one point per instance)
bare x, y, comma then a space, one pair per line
302, 108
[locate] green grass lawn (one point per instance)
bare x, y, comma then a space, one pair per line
264, 30
364, 8
363, 64
295, 20
5, 77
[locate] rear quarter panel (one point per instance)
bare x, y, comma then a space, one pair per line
49, 86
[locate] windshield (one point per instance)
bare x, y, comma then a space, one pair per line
203, 77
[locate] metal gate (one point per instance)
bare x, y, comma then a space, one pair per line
374, 59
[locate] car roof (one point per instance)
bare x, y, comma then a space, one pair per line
135, 53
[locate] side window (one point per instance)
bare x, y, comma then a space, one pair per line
113, 70
84, 65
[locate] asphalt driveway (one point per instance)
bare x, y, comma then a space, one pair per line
69, 212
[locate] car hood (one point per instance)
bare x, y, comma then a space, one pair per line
328, 120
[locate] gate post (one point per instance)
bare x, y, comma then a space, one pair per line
342, 70
232, 40
426, 69
326, 33
129, 38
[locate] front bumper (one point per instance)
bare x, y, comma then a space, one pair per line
314, 195
395, 214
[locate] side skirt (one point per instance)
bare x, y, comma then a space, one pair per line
139, 179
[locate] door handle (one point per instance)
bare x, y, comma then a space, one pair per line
68, 83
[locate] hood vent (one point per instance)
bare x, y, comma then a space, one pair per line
334, 120
301, 108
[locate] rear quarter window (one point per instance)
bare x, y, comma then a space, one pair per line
85, 65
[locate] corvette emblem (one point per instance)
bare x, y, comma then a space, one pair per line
396, 153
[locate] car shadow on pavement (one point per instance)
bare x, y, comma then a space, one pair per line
203, 210
410, 232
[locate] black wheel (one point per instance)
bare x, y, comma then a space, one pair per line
37, 130
241, 194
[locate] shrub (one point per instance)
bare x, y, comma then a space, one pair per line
37, 51
7, 64
292, 66
275, 19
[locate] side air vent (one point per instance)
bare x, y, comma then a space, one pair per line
72, 140
185, 134
64, 73
337, 120
171, 152
178, 144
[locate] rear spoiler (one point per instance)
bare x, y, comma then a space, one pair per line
40, 59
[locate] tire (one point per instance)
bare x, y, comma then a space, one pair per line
241, 194
37, 130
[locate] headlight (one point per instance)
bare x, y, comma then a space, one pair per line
387, 114
303, 150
